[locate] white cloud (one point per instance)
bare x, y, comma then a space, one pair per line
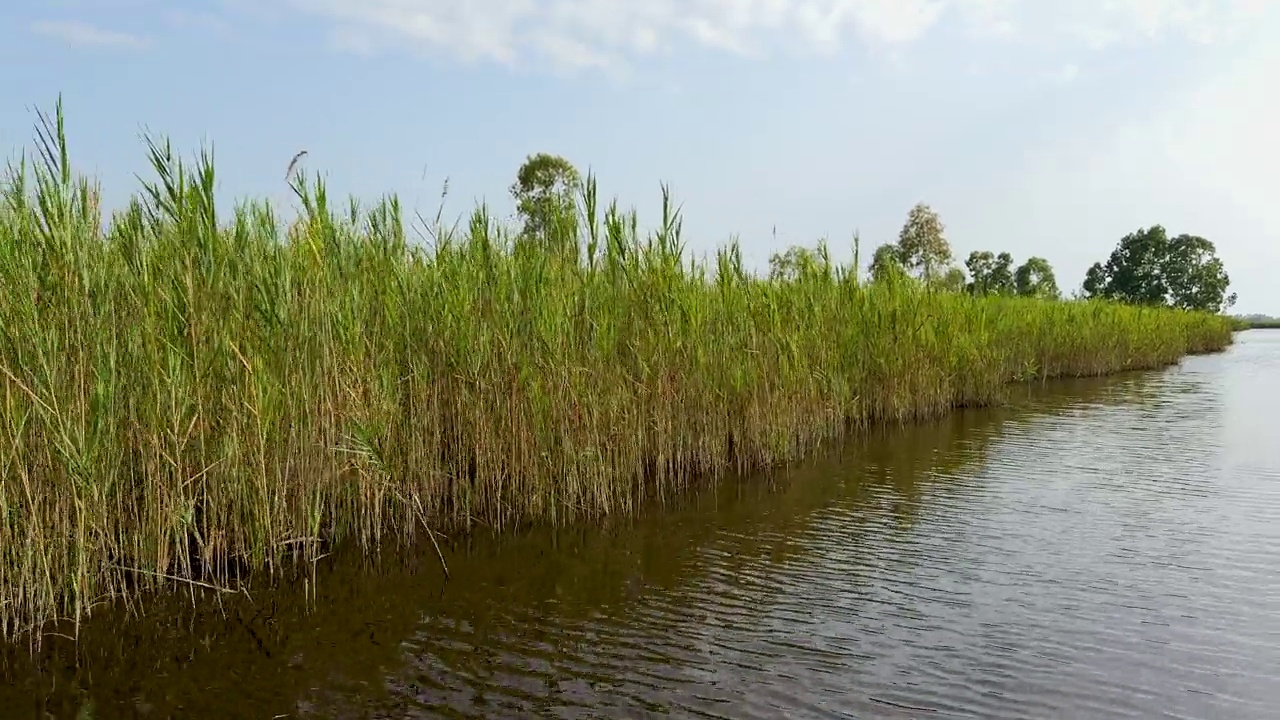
1067, 73
82, 34
603, 32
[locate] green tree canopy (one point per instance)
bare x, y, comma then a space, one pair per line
1195, 276
1095, 281
1034, 278
922, 243
886, 263
991, 274
798, 262
952, 280
1149, 268
545, 192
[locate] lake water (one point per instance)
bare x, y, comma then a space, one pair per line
1096, 549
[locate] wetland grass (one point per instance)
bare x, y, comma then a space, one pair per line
186, 396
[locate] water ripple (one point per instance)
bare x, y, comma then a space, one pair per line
1113, 557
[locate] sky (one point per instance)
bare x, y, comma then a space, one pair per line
1040, 127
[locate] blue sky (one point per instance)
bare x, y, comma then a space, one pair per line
1038, 127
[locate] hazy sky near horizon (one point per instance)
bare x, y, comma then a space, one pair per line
1041, 127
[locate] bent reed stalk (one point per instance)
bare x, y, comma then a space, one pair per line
189, 397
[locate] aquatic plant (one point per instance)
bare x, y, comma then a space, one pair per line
186, 396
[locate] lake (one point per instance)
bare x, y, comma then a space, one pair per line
1101, 548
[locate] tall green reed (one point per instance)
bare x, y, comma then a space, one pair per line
188, 396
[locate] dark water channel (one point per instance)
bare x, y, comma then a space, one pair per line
1099, 549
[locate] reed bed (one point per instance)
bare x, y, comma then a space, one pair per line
185, 397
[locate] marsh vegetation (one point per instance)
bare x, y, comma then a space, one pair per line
188, 394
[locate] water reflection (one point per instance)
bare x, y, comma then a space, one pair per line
1098, 548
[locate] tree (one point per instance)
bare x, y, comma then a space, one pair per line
952, 280
545, 192
1095, 281
1034, 278
796, 262
922, 244
979, 264
1149, 268
1134, 272
991, 274
886, 263
1195, 276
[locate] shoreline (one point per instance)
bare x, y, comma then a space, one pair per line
420, 557
648, 481
186, 399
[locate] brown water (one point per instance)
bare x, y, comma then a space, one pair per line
1098, 549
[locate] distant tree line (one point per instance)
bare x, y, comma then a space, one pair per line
1256, 321
1146, 268
922, 251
